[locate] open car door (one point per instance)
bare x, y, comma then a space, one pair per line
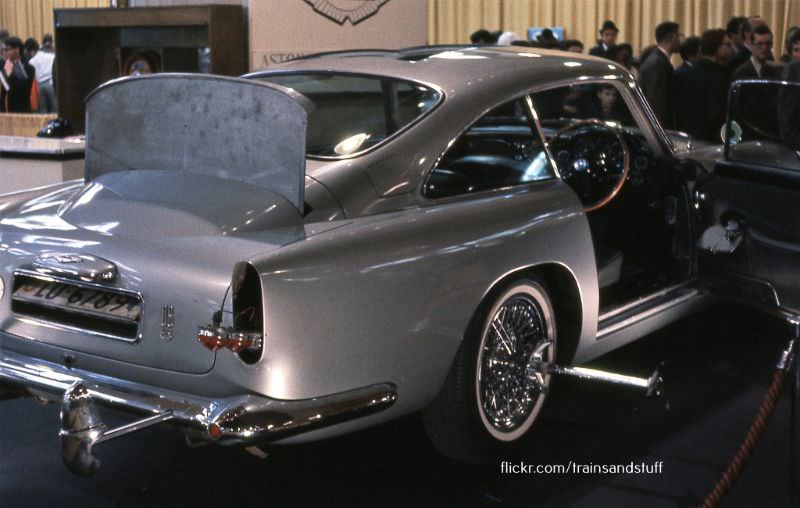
750, 247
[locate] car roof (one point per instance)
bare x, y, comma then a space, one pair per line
473, 79
453, 67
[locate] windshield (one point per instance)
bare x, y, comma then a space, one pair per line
354, 113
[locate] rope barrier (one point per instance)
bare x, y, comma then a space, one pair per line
766, 410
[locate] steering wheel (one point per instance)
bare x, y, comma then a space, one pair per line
594, 159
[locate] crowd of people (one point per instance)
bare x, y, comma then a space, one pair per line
26, 75
692, 97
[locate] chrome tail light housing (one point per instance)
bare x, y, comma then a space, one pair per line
246, 337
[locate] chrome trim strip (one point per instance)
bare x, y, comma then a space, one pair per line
237, 419
27, 272
640, 301
76, 266
646, 314
22, 318
538, 127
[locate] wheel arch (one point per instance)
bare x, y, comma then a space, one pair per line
453, 420
562, 288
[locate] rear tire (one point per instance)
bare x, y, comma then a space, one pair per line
489, 401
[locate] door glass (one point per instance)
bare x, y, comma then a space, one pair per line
764, 125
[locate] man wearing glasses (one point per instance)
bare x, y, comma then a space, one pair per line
16, 79
759, 66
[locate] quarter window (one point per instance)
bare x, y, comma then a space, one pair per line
499, 150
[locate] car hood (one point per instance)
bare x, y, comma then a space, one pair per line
174, 239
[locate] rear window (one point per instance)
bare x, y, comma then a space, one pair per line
354, 113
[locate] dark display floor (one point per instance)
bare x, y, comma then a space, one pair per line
718, 366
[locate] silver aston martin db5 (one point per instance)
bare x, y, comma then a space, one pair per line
353, 237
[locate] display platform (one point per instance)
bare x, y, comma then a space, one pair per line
27, 162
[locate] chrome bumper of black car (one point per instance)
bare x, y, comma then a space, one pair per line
232, 420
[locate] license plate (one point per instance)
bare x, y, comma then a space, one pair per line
59, 295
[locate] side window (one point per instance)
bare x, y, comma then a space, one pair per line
764, 124
499, 150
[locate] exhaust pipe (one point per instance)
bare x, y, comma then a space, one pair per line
82, 428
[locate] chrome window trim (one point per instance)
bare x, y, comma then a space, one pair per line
535, 115
637, 105
534, 126
436, 88
735, 88
26, 272
655, 137
489, 193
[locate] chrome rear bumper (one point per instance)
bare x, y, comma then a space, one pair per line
232, 420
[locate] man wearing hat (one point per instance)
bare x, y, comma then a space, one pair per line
608, 38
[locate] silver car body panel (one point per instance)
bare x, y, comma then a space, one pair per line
372, 284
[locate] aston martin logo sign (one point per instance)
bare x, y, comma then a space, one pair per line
340, 11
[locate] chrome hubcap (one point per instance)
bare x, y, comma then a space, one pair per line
507, 394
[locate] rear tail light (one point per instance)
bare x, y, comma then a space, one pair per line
215, 338
246, 337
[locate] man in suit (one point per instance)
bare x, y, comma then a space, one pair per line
758, 105
701, 93
690, 53
16, 78
608, 38
656, 73
758, 66
738, 31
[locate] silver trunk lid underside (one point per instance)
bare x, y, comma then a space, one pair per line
232, 128
185, 177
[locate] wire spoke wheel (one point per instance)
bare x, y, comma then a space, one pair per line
508, 398
495, 389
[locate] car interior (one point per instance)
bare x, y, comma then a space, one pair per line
636, 202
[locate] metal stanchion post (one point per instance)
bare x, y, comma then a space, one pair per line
794, 412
